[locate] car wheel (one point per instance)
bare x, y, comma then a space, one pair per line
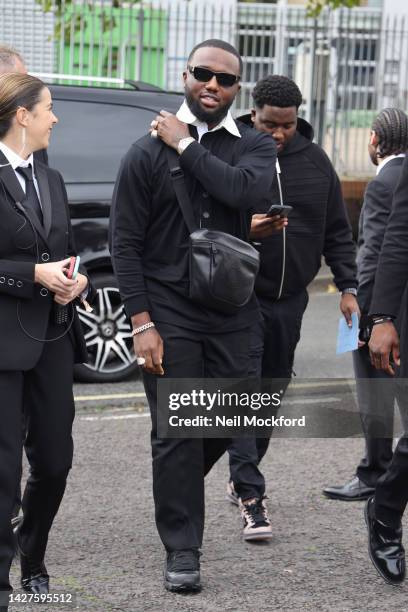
108, 336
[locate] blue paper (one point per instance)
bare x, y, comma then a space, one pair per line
347, 337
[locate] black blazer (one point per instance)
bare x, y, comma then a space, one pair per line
392, 272
23, 243
374, 217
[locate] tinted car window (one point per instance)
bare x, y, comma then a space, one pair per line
91, 138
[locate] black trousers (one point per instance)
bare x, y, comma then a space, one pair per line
391, 493
272, 347
18, 498
179, 465
45, 395
376, 399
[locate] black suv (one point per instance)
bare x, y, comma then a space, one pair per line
96, 128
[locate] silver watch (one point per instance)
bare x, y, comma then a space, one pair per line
351, 290
183, 144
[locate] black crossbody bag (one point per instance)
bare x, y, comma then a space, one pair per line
222, 267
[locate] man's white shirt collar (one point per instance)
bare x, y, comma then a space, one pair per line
185, 115
386, 160
14, 159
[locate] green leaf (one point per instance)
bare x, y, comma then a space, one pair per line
315, 7
62, 20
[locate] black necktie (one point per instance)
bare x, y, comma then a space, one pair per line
31, 199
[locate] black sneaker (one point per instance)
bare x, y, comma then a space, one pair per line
182, 570
256, 523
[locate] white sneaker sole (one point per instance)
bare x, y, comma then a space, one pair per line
264, 535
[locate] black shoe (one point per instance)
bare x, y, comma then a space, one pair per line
354, 490
34, 576
385, 547
182, 570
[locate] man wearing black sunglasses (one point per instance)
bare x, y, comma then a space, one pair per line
204, 75
227, 169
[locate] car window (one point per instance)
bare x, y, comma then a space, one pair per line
91, 138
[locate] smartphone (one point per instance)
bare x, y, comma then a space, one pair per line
277, 209
72, 270
76, 266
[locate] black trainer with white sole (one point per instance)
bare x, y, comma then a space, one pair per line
256, 522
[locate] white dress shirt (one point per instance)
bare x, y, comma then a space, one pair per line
386, 160
185, 115
15, 161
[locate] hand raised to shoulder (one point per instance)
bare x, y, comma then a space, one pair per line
170, 129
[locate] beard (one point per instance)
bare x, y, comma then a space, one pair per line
214, 116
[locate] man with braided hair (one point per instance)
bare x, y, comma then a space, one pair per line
375, 390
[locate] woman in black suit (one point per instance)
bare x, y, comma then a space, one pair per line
40, 333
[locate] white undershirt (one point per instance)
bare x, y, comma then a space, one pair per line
386, 160
185, 115
15, 161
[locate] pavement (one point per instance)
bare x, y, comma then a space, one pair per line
104, 547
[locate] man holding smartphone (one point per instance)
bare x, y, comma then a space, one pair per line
290, 259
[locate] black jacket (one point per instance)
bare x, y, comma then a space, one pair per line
373, 222
318, 224
392, 271
149, 241
23, 243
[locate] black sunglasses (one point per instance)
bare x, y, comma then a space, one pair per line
204, 75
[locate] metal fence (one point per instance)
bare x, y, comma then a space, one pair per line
348, 63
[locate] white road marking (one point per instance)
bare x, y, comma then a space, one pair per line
141, 415
332, 382
316, 400
116, 417
141, 395
92, 398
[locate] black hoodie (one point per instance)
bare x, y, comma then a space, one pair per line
318, 224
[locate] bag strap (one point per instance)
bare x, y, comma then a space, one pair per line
179, 184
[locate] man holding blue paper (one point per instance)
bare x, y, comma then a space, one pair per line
347, 337
375, 390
